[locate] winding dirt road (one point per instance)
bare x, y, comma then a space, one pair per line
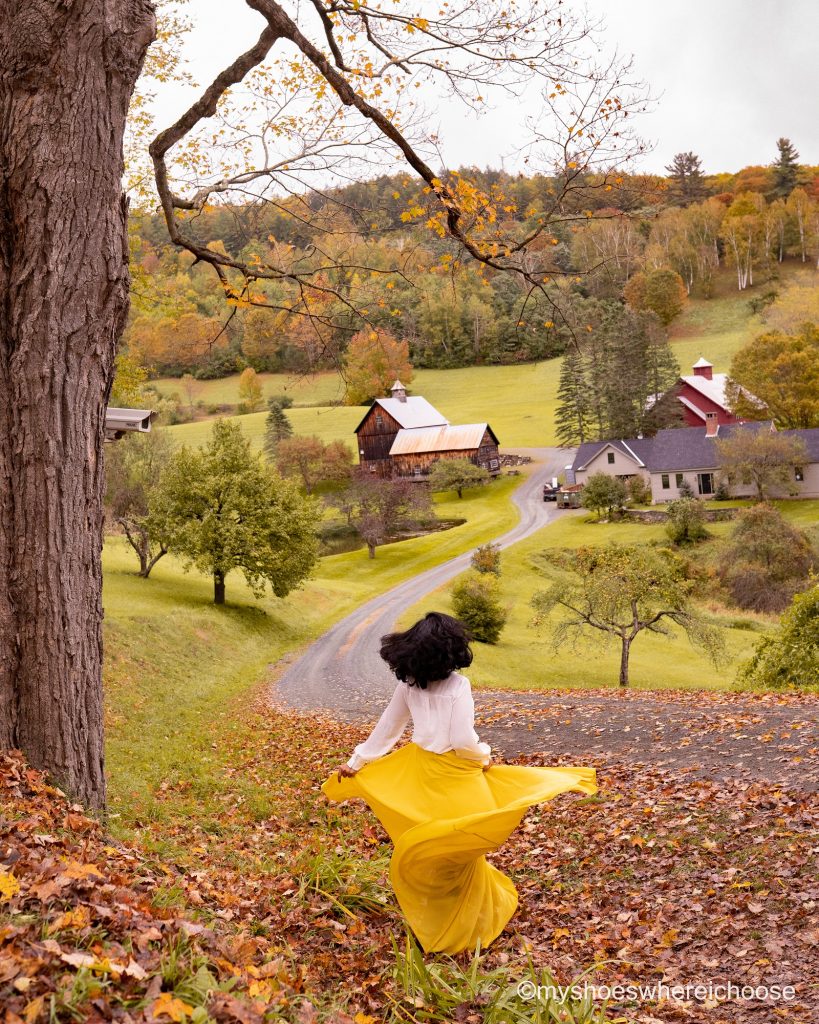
342, 673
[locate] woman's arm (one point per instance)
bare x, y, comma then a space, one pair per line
387, 732
462, 735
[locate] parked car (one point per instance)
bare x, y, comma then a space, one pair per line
550, 490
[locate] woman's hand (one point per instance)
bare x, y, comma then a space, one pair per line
486, 767
345, 772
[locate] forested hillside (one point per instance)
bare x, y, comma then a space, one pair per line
451, 311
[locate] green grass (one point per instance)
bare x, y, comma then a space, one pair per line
525, 657
311, 389
518, 401
175, 663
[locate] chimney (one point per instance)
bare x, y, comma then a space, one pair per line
711, 424
399, 391
702, 368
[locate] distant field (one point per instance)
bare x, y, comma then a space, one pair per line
519, 401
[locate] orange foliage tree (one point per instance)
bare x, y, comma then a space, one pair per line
374, 360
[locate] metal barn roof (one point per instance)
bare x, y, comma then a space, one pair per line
440, 439
414, 411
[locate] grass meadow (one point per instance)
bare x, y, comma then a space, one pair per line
175, 662
525, 657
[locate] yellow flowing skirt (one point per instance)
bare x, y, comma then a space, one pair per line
444, 814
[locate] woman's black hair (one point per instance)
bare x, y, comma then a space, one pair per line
431, 649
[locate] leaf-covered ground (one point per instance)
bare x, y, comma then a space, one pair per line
278, 908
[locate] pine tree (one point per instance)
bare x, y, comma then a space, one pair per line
785, 169
277, 425
571, 416
686, 172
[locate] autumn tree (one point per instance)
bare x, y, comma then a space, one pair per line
766, 560
785, 168
250, 390
222, 508
662, 292
380, 510
742, 235
374, 360
618, 592
312, 461
64, 252
130, 378
688, 182
133, 468
457, 475
765, 458
776, 375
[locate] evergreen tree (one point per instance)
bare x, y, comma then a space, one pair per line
685, 171
785, 169
277, 425
571, 416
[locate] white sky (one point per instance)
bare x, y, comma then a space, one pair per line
731, 76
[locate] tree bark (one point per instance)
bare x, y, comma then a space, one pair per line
624, 653
67, 72
218, 588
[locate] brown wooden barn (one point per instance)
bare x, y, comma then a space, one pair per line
403, 436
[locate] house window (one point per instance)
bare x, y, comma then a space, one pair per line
680, 478
494, 464
666, 483
611, 458
705, 483
798, 473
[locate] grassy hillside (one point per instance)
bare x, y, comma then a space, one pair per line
525, 657
174, 662
518, 401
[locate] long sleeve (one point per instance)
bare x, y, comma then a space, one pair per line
462, 735
387, 731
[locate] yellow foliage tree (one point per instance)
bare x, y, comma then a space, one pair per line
374, 360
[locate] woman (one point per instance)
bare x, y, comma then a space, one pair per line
442, 804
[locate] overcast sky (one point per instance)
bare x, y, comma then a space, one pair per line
731, 76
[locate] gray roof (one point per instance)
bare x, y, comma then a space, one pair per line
682, 448
635, 448
810, 437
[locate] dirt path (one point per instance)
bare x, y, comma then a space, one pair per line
724, 736
342, 672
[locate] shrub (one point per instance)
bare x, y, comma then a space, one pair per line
686, 521
723, 491
603, 493
487, 558
685, 490
639, 490
766, 561
790, 655
476, 602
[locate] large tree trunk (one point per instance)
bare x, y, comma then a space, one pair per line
67, 72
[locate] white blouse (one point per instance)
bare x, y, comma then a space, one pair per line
443, 718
